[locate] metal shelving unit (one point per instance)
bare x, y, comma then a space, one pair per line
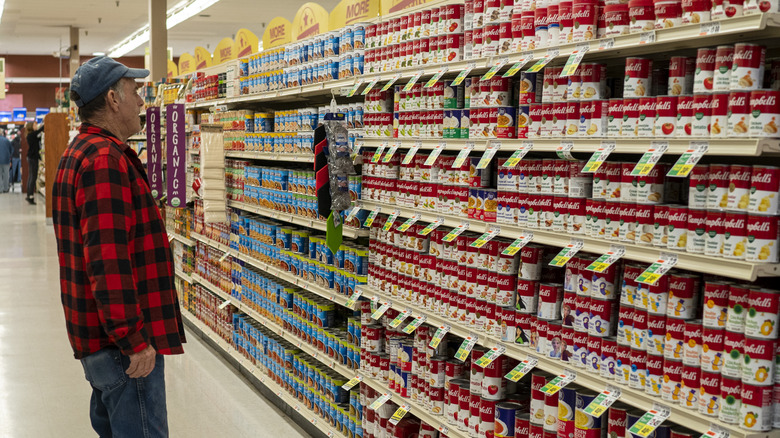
295, 219
273, 156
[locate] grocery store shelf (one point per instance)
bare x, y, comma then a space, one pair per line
745, 147
638, 398
260, 375
185, 277
180, 238
316, 224
258, 155
211, 242
693, 262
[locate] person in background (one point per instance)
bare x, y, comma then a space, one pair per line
116, 266
16, 162
34, 133
6, 151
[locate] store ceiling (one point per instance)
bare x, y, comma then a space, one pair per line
41, 27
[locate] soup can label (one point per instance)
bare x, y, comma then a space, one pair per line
730, 400
716, 300
678, 228
762, 238
764, 187
671, 383
759, 361
691, 386
747, 71
734, 236
637, 77
705, 70
762, 316
712, 349
675, 339
684, 116
733, 347
724, 59
756, 409
739, 115
710, 394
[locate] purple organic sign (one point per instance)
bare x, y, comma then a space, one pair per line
176, 166
154, 151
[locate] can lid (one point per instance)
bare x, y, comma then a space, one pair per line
620, 7
639, 3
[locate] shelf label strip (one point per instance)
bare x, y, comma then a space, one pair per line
353, 212
498, 65
655, 271
387, 86
519, 243
523, 368
413, 80
575, 59
462, 75
379, 151
381, 310
354, 88
650, 420
391, 220
452, 235
688, 160
399, 414
409, 222
371, 216
600, 156
715, 431
551, 54
380, 401
603, 401
389, 155
518, 155
435, 153
567, 253
439, 335
486, 237
353, 299
559, 381
490, 355
400, 318
466, 347
370, 85
650, 158
432, 226
432, 81
414, 325
412, 152
223, 305
564, 150
490, 152
615, 253
525, 58
463, 155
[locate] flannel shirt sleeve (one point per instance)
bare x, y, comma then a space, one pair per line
104, 202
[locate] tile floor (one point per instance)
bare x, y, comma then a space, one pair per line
42, 388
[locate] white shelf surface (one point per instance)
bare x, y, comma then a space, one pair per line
296, 219
180, 238
273, 156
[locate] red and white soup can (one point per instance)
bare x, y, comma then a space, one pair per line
681, 72
747, 71
762, 239
764, 188
764, 113
637, 77
739, 114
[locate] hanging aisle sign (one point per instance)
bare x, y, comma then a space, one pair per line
277, 33
154, 150
186, 64
176, 167
390, 6
202, 58
224, 51
353, 11
246, 43
310, 20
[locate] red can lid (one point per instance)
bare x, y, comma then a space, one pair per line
639, 3
620, 7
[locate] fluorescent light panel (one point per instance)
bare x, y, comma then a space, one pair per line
183, 11
2, 6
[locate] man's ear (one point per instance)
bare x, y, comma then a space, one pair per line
112, 99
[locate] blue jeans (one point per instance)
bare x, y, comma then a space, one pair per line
121, 406
16, 170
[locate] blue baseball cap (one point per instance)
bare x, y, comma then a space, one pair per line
97, 75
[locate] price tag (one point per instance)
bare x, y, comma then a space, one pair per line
391, 220
378, 153
523, 368
399, 414
688, 160
412, 152
380, 401
466, 347
559, 381
567, 253
519, 154
452, 235
490, 356
710, 28
357, 148
352, 213
490, 152
654, 272
370, 85
462, 75
414, 325
486, 237
352, 383
564, 150
353, 299
392, 81
439, 335
409, 222
647, 37
525, 58
603, 401
389, 155
605, 261
518, 244
502, 61
354, 88
575, 59
650, 420
606, 43
170, 238
432, 81
413, 80
400, 318
435, 153
599, 157
224, 256
432, 226
381, 310
463, 155
371, 216
650, 158
715, 431
551, 54
443, 429
223, 305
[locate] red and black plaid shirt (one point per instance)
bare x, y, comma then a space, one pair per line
116, 270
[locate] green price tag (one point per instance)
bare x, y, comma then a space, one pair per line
370, 85
490, 356
486, 237
466, 346
439, 335
352, 213
378, 153
432, 226
389, 155
399, 414
575, 59
354, 89
523, 368
518, 244
391, 220
462, 75
435, 154
432, 81
487, 157
655, 271
414, 325
452, 235
496, 67
688, 160
413, 80
599, 157
551, 54
412, 152
601, 264
381, 310
352, 383
409, 222
392, 81
566, 254
353, 299
564, 150
463, 155
525, 58
650, 158
400, 318
518, 155
380, 401
371, 216
602, 402
558, 382
650, 421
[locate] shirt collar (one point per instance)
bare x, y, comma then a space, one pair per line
87, 128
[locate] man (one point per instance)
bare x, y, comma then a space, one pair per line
116, 271
16, 162
6, 151
34, 133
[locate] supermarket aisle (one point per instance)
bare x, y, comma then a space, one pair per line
42, 388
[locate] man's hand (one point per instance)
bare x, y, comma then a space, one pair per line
141, 363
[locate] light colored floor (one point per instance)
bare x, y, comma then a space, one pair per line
42, 388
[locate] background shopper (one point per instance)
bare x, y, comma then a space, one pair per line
16, 162
6, 151
34, 134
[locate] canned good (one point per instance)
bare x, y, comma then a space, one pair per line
756, 407
637, 77
765, 113
747, 70
759, 361
730, 400
762, 317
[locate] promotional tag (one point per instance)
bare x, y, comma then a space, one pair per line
564, 150
600, 156
710, 28
603, 401
380, 401
523, 368
551, 54
370, 85
518, 155
614, 254
647, 37
567, 253
399, 414
498, 65
391, 220
715, 431
381, 310
412, 152
400, 318
491, 150
371, 216
486, 237
409, 222
224, 256
413, 80
352, 213
414, 325
606, 43
575, 59
439, 335
463, 155
462, 75
559, 381
525, 58
353, 299
378, 152
354, 88
389, 155
392, 81
432, 81
518, 244
224, 304
443, 429
654, 272
452, 235
432, 226
490, 356
435, 153
650, 420
466, 347
358, 147
688, 160
352, 383
650, 158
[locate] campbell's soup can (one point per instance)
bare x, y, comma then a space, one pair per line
735, 236
724, 59
747, 71
522, 425
630, 125
764, 188
617, 419
603, 315
625, 325
698, 185
709, 394
717, 194
716, 301
691, 377
678, 228
671, 384
646, 122
684, 116
642, 16
758, 367
614, 117
705, 70
665, 122
683, 295
739, 115
637, 77
623, 365
756, 409
637, 378
733, 350
762, 315
739, 187
762, 238
696, 230
608, 361
681, 71
701, 124
656, 334
730, 399
712, 349
739, 298
719, 116
644, 224
692, 343
661, 226
675, 339
764, 113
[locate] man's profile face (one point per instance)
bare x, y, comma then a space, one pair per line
130, 106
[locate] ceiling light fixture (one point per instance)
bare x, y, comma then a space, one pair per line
98, 53
2, 6
183, 11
